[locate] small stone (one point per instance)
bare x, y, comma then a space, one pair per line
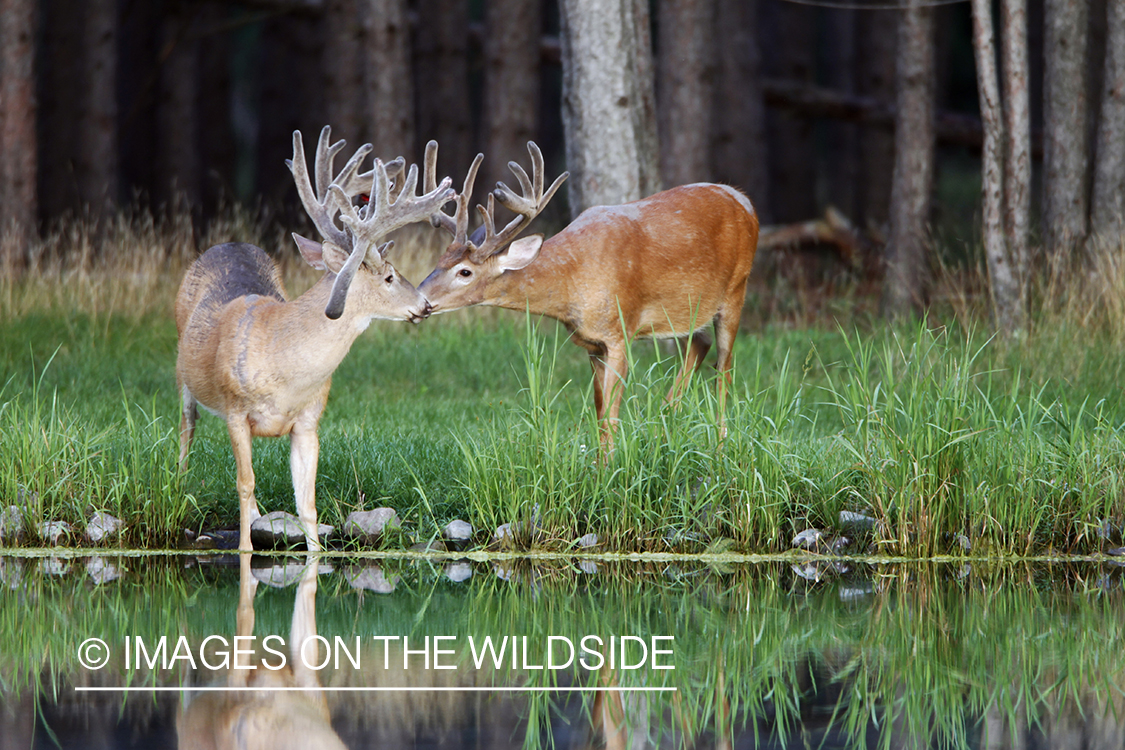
853, 593
101, 570
11, 572
857, 522
458, 571
589, 567
458, 531
281, 575
503, 533
434, 545
282, 529
54, 566
808, 571
838, 545
370, 579
102, 526
369, 525
963, 540
53, 531
11, 524
1117, 552
807, 539
587, 540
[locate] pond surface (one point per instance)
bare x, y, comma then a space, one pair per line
206, 652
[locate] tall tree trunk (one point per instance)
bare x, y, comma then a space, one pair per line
216, 138
685, 71
442, 64
1065, 158
738, 109
18, 176
177, 173
907, 271
97, 123
1005, 284
1017, 154
875, 77
511, 84
1108, 210
608, 102
343, 65
841, 162
790, 47
388, 60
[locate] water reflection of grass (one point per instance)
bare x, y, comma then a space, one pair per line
937, 653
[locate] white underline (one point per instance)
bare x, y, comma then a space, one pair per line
212, 689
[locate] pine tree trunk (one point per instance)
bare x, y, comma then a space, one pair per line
177, 175
1017, 155
841, 163
875, 77
18, 175
608, 102
907, 272
511, 85
343, 65
1005, 285
442, 63
96, 170
685, 71
1108, 209
388, 56
1065, 159
738, 109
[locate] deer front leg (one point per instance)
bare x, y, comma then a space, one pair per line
693, 349
304, 451
239, 428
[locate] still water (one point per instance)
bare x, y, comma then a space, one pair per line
334, 652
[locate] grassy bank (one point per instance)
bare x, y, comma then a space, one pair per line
946, 440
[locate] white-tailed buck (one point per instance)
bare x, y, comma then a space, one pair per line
265, 364
665, 266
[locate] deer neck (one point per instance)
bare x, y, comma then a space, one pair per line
543, 287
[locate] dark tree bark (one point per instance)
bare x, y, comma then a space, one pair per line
511, 85
841, 163
875, 77
738, 110
1108, 209
177, 175
442, 63
390, 106
18, 145
1065, 158
907, 270
685, 70
608, 102
342, 60
216, 136
96, 168
790, 54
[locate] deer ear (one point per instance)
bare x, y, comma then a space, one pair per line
312, 252
520, 253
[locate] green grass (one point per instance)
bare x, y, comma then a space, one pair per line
942, 435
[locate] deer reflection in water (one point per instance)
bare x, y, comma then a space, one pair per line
263, 718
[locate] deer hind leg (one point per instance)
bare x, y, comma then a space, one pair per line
304, 451
189, 412
726, 328
239, 428
610, 371
693, 349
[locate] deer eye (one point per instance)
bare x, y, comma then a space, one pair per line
390, 278
465, 273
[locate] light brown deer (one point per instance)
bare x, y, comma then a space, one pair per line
662, 267
265, 364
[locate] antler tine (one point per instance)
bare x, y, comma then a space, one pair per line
359, 183
526, 206
315, 206
325, 155
384, 214
462, 215
440, 218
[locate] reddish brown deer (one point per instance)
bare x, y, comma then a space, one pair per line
265, 364
664, 267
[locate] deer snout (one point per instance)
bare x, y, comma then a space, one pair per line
416, 317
